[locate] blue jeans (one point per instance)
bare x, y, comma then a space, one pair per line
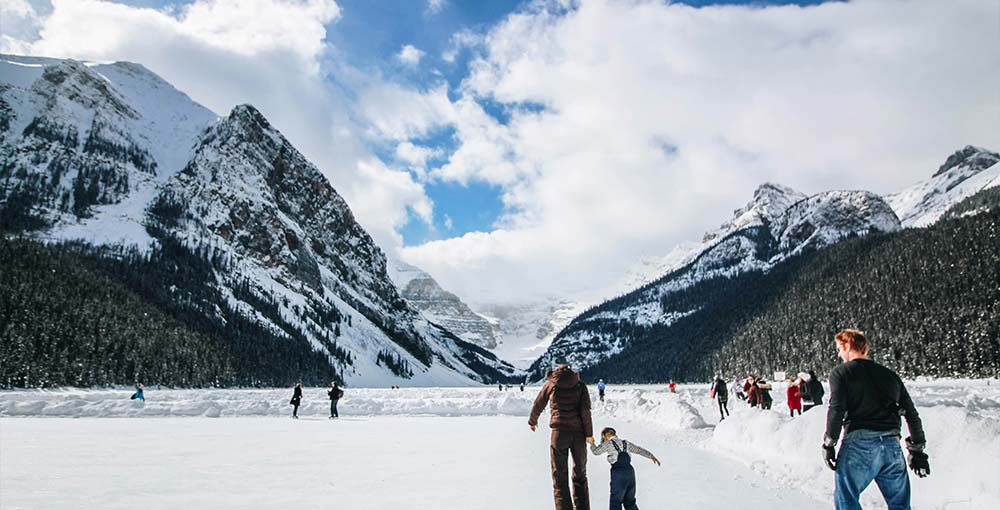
623, 488
861, 461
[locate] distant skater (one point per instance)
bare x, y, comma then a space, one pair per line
138, 394
335, 395
737, 389
765, 393
600, 389
721, 394
522, 386
794, 398
672, 387
296, 400
813, 396
622, 473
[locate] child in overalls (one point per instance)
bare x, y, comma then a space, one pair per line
622, 473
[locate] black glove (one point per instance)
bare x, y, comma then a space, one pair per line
917, 459
830, 457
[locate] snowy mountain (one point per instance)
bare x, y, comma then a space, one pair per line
770, 229
441, 307
525, 330
963, 174
111, 153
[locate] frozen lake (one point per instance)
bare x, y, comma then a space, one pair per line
450, 449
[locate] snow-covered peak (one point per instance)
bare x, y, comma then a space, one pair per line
963, 174
769, 201
826, 218
975, 158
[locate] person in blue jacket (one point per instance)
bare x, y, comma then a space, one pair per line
600, 389
138, 393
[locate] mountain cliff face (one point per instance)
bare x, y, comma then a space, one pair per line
441, 307
769, 230
88, 149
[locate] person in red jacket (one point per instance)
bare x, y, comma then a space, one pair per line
572, 428
794, 397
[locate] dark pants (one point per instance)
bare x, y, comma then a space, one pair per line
333, 409
791, 411
723, 408
565, 442
623, 488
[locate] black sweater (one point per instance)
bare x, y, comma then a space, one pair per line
866, 395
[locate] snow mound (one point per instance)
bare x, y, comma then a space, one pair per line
963, 432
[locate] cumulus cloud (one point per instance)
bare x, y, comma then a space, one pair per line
225, 52
434, 7
395, 112
410, 55
646, 123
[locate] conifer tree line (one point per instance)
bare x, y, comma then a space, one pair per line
72, 314
929, 299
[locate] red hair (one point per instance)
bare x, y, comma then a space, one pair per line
855, 340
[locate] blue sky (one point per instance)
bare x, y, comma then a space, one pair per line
370, 34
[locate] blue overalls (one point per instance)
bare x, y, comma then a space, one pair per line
623, 480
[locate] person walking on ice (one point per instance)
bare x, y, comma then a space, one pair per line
600, 389
622, 473
335, 395
866, 401
720, 392
296, 400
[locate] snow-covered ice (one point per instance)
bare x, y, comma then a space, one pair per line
447, 448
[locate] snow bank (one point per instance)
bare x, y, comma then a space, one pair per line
661, 410
963, 434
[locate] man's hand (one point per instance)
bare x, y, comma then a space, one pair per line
830, 457
656, 461
532, 427
590, 440
917, 459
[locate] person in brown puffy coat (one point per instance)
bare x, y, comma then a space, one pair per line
569, 404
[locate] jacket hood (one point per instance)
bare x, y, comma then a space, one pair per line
564, 377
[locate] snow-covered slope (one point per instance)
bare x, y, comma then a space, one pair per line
85, 145
111, 153
525, 330
757, 239
424, 293
963, 174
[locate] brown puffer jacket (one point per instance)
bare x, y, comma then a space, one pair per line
569, 402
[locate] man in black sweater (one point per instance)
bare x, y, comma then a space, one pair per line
867, 400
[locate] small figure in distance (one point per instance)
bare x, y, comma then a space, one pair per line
600, 389
720, 392
296, 400
138, 393
793, 396
672, 386
335, 395
622, 472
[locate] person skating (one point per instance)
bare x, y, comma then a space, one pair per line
765, 393
138, 395
600, 389
814, 392
622, 473
296, 400
866, 402
569, 404
752, 390
721, 394
522, 387
737, 389
672, 387
335, 395
793, 397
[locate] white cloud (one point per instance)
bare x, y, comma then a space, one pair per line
409, 55
660, 119
397, 113
266, 52
434, 7
448, 223
416, 156
461, 40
